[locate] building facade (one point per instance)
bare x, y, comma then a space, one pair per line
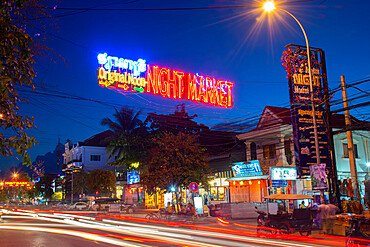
271, 144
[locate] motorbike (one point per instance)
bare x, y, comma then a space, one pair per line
359, 227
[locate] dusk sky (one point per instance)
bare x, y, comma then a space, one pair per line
234, 44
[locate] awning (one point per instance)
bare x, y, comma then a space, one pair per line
247, 178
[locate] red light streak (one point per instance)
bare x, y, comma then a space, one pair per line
223, 221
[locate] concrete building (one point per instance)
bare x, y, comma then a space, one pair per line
271, 144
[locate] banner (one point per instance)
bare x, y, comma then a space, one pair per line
319, 178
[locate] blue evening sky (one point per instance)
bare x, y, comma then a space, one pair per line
235, 44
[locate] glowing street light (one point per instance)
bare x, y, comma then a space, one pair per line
15, 175
270, 6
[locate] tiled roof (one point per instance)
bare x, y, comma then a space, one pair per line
283, 117
98, 140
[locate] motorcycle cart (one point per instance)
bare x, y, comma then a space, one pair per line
284, 215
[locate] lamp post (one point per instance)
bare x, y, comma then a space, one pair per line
270, 6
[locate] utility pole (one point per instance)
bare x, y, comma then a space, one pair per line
72, 186
58, 158
352, 160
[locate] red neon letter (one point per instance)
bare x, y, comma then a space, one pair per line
151, 78
179, 77
163, 81
202, 92
229, 94
192, 93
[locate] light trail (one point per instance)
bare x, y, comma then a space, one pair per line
89, 236
198, 235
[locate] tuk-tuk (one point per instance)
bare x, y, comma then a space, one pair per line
283, 213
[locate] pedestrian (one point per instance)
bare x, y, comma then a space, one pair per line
324, 216
190, 210
332, 211
206, 199
169, 208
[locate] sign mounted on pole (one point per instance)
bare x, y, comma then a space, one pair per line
137, 76
296, 64
193, 187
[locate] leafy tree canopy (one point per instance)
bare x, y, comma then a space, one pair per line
17, 51
45, 186
174, 161
102, 181
130, 140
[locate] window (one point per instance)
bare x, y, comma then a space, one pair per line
253, 151
269, 151
95, 157
218, 193
346, 153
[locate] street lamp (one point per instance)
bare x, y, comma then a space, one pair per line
15, 175
270, 6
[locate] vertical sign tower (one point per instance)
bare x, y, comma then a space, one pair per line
296, 64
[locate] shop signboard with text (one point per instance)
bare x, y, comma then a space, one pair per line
283, 173
295, 61
305, 139
247, 168
133, 177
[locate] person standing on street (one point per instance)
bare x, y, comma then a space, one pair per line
324, 214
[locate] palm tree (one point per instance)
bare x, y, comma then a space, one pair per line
126, 121
128, 143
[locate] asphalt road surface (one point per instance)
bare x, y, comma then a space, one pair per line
35, 228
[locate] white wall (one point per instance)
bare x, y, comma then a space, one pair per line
361, 139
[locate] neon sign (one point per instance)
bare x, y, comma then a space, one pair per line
137, 76
16, 183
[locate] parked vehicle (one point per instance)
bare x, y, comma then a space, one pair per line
60, 205
277, 216
79, 206
105, 204
359, 227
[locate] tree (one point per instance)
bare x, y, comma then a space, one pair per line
79, 182
45, 186
16, 69
103, 182
23, 176
174, 161
5, 194
130, 138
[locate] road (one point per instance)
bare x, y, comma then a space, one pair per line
50, 228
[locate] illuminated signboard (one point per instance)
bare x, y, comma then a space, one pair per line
247, 168
16, 183
133, 177
283, 173
129, 75
295, 61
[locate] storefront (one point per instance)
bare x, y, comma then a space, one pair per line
248, 184
134, 191
219, 188
248, 189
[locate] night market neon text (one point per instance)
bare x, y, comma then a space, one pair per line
126, 75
